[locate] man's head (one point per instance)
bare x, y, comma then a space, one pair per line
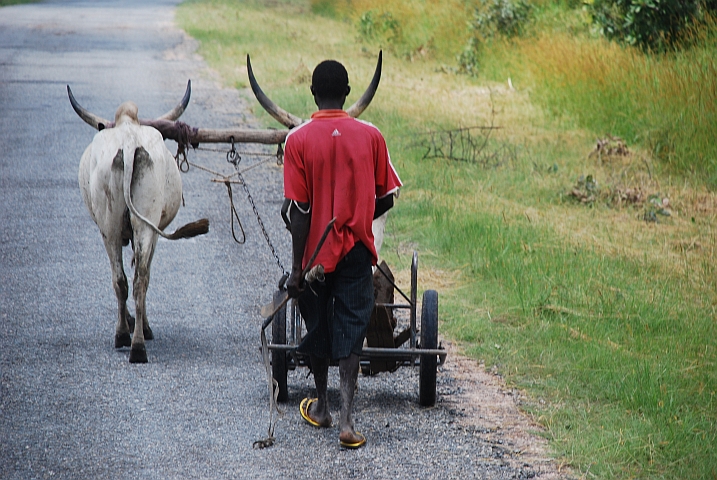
330, 82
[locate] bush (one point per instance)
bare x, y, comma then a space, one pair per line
502, 17
379, 26
649, 24
506, 18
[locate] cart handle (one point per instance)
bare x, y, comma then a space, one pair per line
394, 285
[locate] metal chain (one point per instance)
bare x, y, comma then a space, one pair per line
234, 158
261, 224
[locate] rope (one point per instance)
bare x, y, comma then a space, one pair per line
234, 158
218, 174
234, 214
273, 395
245, 152
310, 276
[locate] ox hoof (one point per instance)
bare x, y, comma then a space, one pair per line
148, 335
122, 340
138, 355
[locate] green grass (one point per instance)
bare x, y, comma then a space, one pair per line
6, 3
623, 349
630, 361
606, 321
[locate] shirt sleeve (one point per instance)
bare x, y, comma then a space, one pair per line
295, 186
387, 180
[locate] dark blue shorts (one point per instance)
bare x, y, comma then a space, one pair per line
337, 311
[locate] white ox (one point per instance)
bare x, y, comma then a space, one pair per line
124, 171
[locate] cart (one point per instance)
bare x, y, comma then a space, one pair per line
383, 351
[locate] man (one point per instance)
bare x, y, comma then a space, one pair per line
335, 166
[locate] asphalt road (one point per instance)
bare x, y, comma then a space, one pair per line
71, 405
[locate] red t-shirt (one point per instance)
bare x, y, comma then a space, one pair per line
339, 165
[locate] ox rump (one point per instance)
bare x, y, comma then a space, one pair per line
132, 188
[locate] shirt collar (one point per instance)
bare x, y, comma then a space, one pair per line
321, 114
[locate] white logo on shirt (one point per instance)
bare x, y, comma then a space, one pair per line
336, 133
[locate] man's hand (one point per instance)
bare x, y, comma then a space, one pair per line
295, 285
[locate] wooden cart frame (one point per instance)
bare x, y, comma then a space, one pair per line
413, 346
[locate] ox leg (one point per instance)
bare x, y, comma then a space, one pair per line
119, 282
144, 251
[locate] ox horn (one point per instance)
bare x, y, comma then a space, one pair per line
90, 118
291, 121
357, 108
177, 111
100, 123
281, 115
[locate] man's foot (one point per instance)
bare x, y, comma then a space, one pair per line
351, 439
311, 416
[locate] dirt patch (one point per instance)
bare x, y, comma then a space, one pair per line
486, 404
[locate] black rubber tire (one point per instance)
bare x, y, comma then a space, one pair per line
279, 357
429, 340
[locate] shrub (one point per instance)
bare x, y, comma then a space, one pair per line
649, 24
503, 17
379, 26
506, 18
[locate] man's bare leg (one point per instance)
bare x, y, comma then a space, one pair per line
319, 410
348, 371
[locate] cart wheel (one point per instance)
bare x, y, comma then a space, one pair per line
278, 357
429, 340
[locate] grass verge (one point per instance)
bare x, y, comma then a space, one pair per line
606, 319
7, 3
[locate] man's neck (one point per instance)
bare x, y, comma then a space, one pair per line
330, 103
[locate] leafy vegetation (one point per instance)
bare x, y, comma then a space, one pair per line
505, 18
648, 24
558, 198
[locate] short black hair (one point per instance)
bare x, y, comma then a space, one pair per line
330, 79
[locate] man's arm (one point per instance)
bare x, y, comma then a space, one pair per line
383, 205
300, 222
285, 213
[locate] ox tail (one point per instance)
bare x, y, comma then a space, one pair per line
200, 227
